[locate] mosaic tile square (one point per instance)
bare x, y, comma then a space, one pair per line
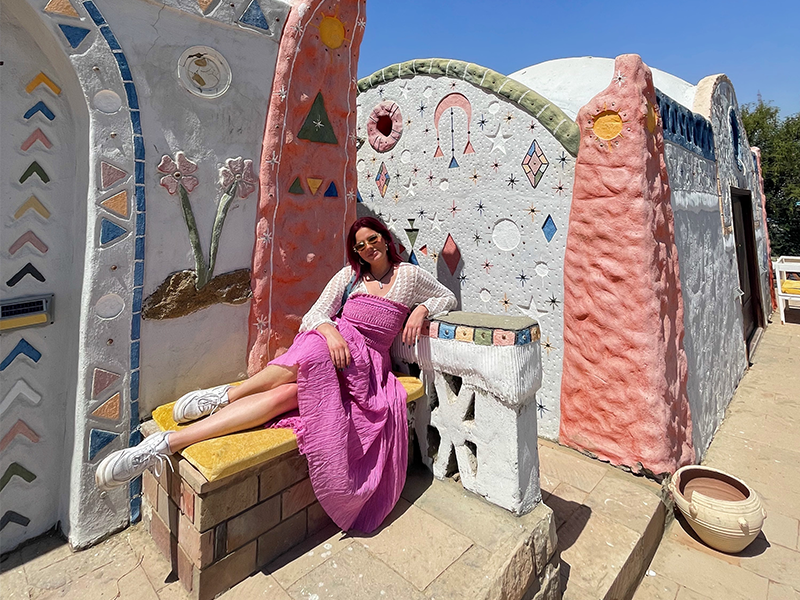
94, 13
135, 355
130, 91
140, 223
138, 273
501, 337
136, 121
136, 326
137, 299
447, 331
124, 69
134, 385
106, 32
483, 337
138, 147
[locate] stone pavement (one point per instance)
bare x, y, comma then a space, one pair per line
440, 542
759, 442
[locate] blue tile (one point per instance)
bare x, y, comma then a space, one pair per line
140, 205
140, 223
549, 228
135, 487
110, 231
138, 274
135, 386
136, 509
138, 147
112, 41
22, 347
447, 331
332, 192
254, 17
94, 13
135, 355
358, 197
412, 258
99, 439
136, 326
74, 35
136, 121
139, 255
133, 99
124, 69
42, 108
136, 436
523, 337
137, 299
139, 175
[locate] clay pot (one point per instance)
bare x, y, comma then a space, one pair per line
724, 511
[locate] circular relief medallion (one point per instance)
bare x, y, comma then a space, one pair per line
204, 72
384, 126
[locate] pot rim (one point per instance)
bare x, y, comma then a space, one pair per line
676, 479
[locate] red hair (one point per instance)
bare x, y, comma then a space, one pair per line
378, 227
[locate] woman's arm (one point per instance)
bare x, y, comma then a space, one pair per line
328, 303
433, 299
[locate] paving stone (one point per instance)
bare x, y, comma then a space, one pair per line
259, 586
778, 591
173, 591
777, 564
656, 587
354, 575
565, 500
416, 545
307, 556
447, 501
136, 585
703, 573
687, 594
628, 500
596, 556
468, 577
782, 530
13, 583
568, 466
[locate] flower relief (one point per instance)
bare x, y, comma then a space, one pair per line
238, 172
178, 172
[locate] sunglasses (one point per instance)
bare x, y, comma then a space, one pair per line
371, 240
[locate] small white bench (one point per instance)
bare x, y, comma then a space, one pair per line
787, 289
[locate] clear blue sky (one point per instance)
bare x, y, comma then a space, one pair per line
756, 43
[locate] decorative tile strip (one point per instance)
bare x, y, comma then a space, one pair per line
485, 335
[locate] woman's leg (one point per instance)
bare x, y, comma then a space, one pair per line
249, 411
268, 378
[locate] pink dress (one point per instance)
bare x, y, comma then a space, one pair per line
352, 424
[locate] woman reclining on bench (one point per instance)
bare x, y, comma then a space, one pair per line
352, 424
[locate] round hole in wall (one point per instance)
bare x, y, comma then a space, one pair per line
384, 126
107, 101
505, 234
204, 72
109, 306
485, 295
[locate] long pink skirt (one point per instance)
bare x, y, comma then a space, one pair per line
352, 424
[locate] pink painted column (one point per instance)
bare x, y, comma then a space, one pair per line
308, 177
623, 391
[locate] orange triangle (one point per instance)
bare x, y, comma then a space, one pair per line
40, 79
313, 184
61, 7
118, 204
32, 203
109, 409
204, 4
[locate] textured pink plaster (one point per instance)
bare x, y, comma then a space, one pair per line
757, 152
623, 391
300, 238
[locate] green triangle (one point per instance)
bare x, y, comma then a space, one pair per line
412, 235
317, 127
296, 187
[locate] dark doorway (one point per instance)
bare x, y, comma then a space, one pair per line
752, 314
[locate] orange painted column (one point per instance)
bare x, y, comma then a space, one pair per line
308, 177
623, 391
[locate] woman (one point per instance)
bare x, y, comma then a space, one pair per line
352, 417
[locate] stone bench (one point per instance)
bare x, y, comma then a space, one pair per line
232, 504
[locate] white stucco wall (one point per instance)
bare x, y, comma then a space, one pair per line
489, 216
208, 347
572, 82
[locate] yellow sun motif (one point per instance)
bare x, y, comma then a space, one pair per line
331, 32
607, 125
652, 118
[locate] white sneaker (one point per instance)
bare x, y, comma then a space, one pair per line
200, 403
119, 467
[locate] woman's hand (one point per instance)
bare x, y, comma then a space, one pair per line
337, 346
413, 328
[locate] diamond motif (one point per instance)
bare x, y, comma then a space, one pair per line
451, 254
535, 163
549, 228
382, 179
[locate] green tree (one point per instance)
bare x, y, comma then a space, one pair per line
779, 140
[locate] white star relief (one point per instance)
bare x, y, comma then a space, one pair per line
318, 123
261, 324
498, 140
273, 161
404, 90
410, 188
436, 222
282, 93
532, 310
361, 23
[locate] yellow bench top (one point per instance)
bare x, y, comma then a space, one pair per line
789, 286
223, 456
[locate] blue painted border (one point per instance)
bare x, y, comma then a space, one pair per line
685, 128
135, 487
